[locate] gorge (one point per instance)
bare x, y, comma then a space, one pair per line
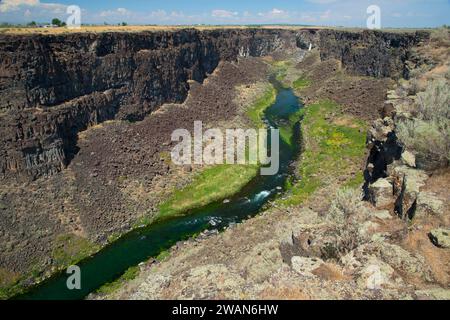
86, 119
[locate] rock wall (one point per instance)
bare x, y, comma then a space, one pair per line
370, 53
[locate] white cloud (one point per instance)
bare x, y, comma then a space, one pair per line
115, 13
15, 5
275, 14
224, 14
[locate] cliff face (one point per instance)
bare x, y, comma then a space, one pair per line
370, 53
53, 87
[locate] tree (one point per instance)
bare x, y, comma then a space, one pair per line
56, 22
124, 24
32, 24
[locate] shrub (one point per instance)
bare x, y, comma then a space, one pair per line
428, 134
441, 36
345, 214
433, 103
429, 140
346, 205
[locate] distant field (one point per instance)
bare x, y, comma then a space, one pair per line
100, 29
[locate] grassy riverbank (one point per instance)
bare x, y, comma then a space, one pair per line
332, 143
220, 181
212, 184
256, 112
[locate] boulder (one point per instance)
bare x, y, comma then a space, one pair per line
393, 95
381, 193
408, 182
408, 159
376, 275
380, 129
393, 255
380, 214
440, 237
402, 260
415, 179
305, 266
428, 203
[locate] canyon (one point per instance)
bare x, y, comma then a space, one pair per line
86, 119
53, 87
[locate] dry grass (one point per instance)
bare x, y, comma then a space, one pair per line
140, 28
100, 29
346, 121
7, 277
331, 272
438, 259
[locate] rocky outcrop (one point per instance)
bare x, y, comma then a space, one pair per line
381, 193
440, 237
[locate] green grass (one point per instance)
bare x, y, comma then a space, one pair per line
212, 184
356, 181
281, 69
256, 111
112, 287
70, 249
330, 148
287, 130
163, 255
9, 284
301, 83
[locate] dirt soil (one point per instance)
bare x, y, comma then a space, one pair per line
361, 96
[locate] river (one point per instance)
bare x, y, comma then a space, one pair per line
142, 244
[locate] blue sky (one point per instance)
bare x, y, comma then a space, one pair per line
394, 13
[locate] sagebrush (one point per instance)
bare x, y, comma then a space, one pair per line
346, 213
427, 133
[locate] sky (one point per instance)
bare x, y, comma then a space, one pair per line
348, 13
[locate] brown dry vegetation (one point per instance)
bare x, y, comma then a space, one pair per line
137, 28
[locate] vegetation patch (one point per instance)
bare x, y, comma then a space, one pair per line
281, 69
427, 133
287, 130
9, 284
213, 184
70, 249
112, 287
163, 255
301, 83
256, 111
329, 148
